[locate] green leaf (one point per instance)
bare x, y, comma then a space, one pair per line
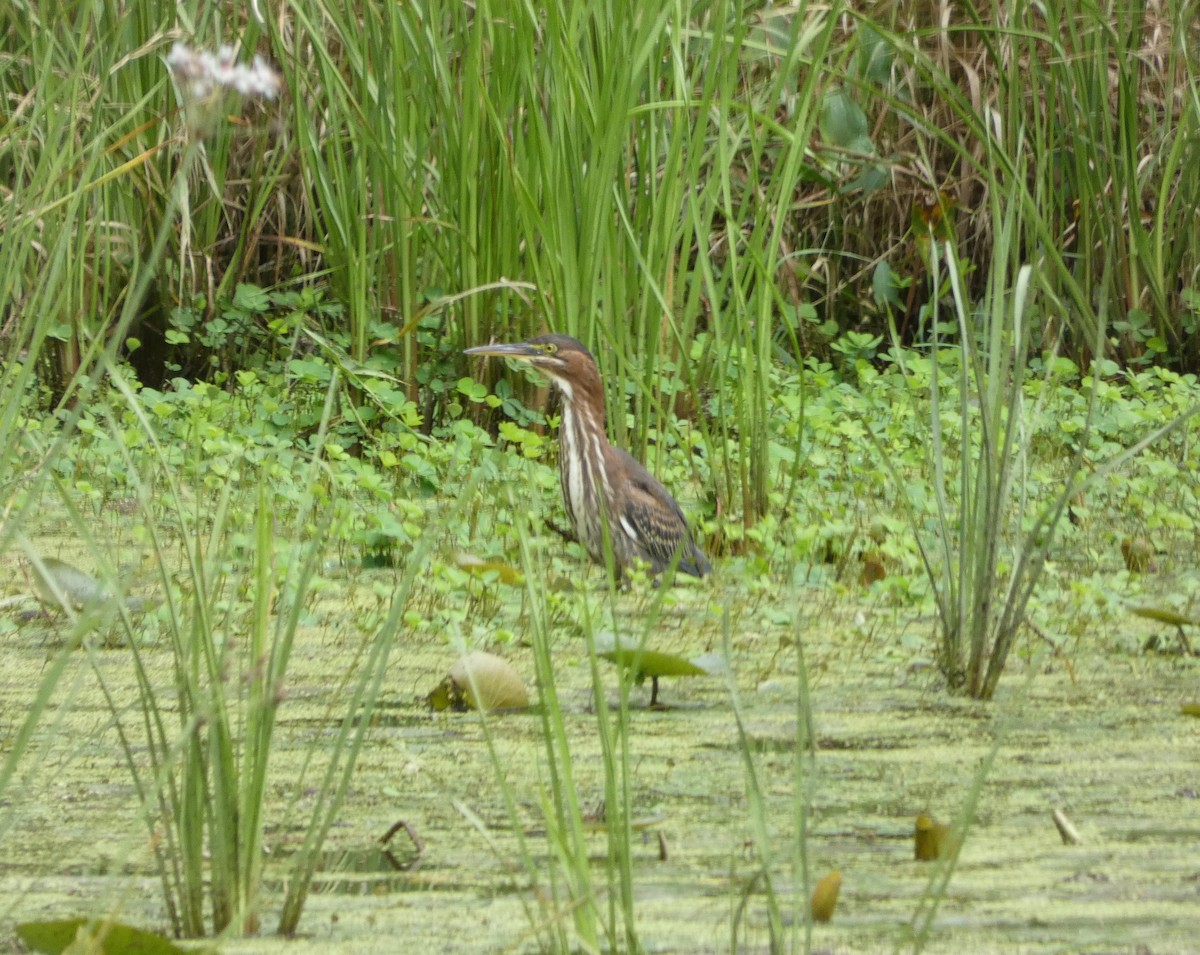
1063, 367
251, 298
1163, 615
645, 662
873, 176
104, 938
875, 55
505, 573
472, 389
886, 285
843, 123
55, 579
309, 369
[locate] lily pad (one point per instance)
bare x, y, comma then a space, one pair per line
1163, 615
654, 663
931, 840
637, 824
480, 681
93, 938
63, 586
1170, 618
505, 573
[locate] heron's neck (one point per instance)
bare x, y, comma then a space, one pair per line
581, 461
583, 403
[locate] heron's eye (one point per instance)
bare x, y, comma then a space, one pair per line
549, 348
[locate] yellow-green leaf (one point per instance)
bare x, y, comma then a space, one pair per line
94, 938
480, 681
654, 663
1163, 615
505, 573
825, 896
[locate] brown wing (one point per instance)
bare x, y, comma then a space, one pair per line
656, 523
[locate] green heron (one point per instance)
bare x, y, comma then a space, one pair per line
601, 483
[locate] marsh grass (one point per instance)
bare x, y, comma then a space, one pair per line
667, 185
986, 550
601, 915
700, 193
937, 888
979, 612
782, 863
498, 145
79, 363
574, 903
198, 748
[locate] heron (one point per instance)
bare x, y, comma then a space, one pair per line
604, 488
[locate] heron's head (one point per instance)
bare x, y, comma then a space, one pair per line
561, 358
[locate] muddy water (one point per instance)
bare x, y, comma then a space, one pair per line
1104, 741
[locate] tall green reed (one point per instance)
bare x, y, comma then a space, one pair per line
597, 151
980, 509
68, 243
580, 904
1094, 106
986, 547
251, 551
203, 789
789, 919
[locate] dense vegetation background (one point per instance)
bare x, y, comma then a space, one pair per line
696, 190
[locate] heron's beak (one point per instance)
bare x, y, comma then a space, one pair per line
521, 351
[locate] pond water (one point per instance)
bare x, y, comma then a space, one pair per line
1100, 737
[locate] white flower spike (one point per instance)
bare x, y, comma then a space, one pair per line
200, 73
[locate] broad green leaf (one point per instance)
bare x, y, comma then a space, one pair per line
874, 56
886, 285
1163, 615
60, 583
843, 123
505, 573
251, 298
94, 938
480, 681
653, 663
